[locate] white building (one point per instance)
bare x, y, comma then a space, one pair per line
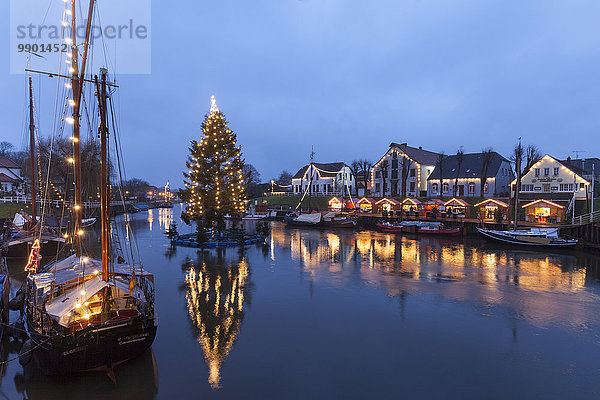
552, 179
465, 180
10, 176
324, 179
402, 161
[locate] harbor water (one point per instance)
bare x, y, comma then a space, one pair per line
350, 314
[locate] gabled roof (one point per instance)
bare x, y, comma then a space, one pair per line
6, 162
419, 155
366, 200
386, 200
326, 170
497, 202
412, 201
455, 201
576, 170
335, 200
6, 178
543, 201
471, 166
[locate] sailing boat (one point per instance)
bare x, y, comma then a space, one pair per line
26, 229
83, 314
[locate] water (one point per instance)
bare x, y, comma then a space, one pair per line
318, 314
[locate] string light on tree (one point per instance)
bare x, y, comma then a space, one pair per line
215, 183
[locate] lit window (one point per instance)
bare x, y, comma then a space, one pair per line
434, 187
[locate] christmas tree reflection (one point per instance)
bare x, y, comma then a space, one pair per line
216, 291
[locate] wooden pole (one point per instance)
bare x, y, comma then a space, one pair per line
104, 190
77, 87
32, 153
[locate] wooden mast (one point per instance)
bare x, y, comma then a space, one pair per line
104, 189
32, 154
77, 87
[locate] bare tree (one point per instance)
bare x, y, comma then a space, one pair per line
364, 168
356, 167
284, 179
532, 155
460, 156
440, 165
487, 155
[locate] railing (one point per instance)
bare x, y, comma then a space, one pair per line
57, 203
587, 218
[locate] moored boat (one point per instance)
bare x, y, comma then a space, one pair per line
338, 220
534, 237
439, 230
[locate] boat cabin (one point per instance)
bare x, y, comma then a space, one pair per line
544, 211
492, 210
365, 204
456, 208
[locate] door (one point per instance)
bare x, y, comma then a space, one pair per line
461, 190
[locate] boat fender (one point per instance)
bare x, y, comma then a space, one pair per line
25, 354
16, 303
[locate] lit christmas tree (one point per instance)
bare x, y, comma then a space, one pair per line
215, 183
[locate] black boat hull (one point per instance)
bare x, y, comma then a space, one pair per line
96, 350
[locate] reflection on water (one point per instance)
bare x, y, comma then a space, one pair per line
216, 291
164, 217
535, 285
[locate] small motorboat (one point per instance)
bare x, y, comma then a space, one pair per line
338, 220
313, 219
405, 226
534, 237
439, 229
254, 217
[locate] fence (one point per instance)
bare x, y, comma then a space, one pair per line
57, 203
587, 218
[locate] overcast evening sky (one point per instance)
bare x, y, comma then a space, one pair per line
350, 76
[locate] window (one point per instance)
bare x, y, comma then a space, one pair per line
413, 173
566, 187
377, 187
485, 188
546, 187
378, 174
330, 188
394, 174
472, 188
537, 172
412, 186
395, 163
546, 171
446, 188
434, 187
556, 171
395, 156
526, 188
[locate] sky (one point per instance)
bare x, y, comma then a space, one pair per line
349, 77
